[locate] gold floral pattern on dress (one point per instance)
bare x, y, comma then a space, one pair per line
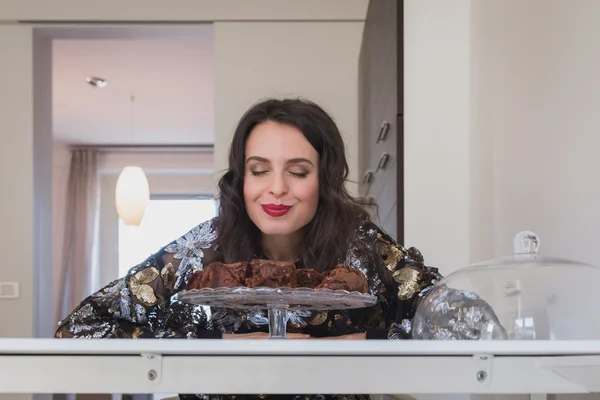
168, 276
391, 255
319, 318
140, 288
136, 333
408, 282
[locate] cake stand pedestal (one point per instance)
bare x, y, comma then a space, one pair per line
278, 319
278, 301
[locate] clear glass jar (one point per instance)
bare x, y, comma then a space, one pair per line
522, 297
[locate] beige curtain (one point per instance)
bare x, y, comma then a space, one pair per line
79, 272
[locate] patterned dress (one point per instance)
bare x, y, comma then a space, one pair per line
143, 304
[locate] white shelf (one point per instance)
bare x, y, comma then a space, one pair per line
277, 366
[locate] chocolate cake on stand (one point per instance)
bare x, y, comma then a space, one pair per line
277, 287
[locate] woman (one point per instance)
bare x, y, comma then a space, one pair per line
282, 198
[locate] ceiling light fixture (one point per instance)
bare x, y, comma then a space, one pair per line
132, 193
96, 82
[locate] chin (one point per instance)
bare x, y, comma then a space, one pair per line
275, 228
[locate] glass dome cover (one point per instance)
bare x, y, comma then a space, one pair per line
525, 296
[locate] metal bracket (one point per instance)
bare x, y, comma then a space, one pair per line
483, 368
153, 368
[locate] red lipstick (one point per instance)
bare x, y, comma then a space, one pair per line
276, 210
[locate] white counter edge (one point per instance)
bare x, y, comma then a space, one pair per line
295, 347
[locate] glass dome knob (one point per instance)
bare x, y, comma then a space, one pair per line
526, 243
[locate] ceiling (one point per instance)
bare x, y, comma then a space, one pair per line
170, 80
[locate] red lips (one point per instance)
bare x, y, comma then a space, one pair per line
276, 210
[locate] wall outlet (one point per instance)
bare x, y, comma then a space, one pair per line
9, 290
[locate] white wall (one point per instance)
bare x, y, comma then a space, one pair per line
542, 94
315, 60
501, 127
160, 163
437, 122
16, 177
43, 324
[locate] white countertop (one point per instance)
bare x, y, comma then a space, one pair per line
297, 367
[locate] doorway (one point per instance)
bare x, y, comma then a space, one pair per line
166, 69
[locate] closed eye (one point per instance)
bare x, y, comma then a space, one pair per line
299, 174
258, 173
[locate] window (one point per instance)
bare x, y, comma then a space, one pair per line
164, 221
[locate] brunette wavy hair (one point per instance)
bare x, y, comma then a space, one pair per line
327, 237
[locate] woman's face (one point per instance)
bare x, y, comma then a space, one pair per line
281, 181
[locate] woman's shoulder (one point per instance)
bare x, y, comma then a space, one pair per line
370, 233
194, 243
370, 238
372, 241
382, 257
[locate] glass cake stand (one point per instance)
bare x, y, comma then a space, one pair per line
278, 301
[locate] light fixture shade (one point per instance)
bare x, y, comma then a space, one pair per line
132, 195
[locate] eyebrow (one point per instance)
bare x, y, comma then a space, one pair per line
290, 161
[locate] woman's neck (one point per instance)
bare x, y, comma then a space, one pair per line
281, 248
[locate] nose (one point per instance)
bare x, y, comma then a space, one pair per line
278, 185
